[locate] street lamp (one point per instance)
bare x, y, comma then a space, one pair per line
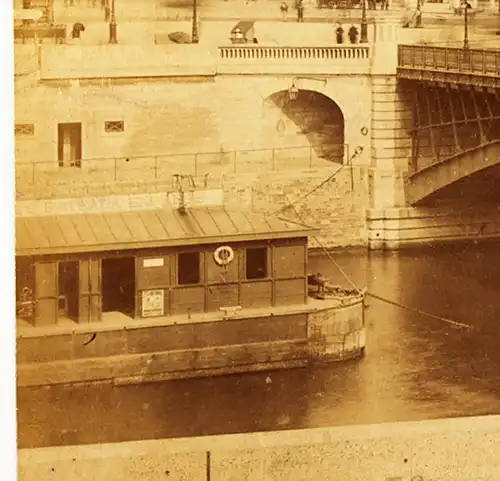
293, 91
194, 33
364, 23
466, 5
50, 12
106, 10
112, 24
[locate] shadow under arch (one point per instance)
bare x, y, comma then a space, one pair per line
311, 115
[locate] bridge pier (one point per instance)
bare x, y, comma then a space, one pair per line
391, 118
398, 228
435, 178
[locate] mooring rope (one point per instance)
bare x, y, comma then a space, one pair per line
370, 294
419, 311
307, 194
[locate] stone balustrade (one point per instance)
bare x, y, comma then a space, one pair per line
271, 53
103, 61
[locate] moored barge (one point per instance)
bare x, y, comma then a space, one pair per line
130, 297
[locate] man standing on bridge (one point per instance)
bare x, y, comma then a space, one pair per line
300, 11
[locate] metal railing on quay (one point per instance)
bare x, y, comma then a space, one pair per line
449, 59
40, 176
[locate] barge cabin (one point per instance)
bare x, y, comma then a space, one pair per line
172, 293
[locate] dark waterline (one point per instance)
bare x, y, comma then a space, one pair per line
415, 367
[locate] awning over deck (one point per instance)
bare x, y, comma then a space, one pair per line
63, 234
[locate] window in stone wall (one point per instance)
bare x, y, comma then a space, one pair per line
24, 129
114, 126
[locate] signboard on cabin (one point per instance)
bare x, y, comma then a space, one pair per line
153, 303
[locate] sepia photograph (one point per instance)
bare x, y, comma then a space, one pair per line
255, 240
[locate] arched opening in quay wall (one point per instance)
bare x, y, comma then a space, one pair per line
306, 117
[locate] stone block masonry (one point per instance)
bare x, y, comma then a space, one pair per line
337, 207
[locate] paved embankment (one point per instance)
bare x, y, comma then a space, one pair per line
464, 449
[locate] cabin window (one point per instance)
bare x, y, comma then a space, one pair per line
188, 268
256, 263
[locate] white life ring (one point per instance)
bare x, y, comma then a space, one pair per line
223, 255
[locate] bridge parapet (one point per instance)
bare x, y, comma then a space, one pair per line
104, 61
272, 53
256, 59
476, 67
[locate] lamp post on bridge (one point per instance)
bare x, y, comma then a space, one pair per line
112, 24
466, 5
194, 32
106, 10
50, 12
364, 23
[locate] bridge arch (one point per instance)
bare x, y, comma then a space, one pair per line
306, 117
428, 183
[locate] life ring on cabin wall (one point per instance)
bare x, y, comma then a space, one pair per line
223, 255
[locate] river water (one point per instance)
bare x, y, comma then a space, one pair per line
415, 367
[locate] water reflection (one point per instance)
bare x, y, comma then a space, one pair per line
415, 367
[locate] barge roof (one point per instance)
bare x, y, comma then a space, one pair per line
111, 231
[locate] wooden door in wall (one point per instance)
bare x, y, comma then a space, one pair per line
90, 305
46, 293
69, 144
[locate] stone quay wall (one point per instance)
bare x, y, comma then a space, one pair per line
331, 197
463, 449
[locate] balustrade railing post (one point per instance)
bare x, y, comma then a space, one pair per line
195, 165
33, 174
156, 167
310, 156
234, 160
115, 168
272, 159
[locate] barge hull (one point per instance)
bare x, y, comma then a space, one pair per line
320, 332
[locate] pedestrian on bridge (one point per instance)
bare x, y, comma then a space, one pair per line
300, 11
284, 9
340, 34
353, 34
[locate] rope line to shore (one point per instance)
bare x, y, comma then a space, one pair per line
419, 311
307, 194
347, 278
351, 283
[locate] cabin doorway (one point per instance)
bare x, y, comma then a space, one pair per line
68, 280
118, 285
69, 144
